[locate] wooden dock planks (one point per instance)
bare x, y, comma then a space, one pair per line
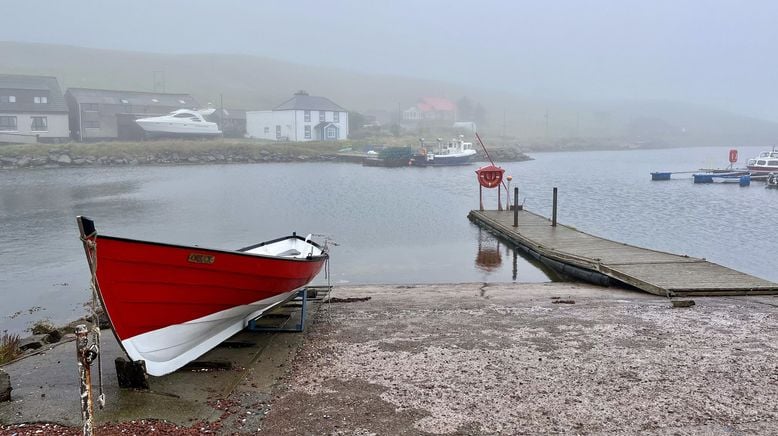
652, 271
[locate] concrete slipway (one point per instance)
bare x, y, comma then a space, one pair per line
463, 359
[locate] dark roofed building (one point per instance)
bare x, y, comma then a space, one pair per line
32, 109
99, 114
302, 101
232, 122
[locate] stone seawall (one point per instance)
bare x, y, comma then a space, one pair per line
66, 159
57, 158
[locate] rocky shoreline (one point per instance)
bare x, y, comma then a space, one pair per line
64, 158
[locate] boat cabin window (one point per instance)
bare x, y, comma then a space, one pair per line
182, 115
761, 162
195, 119
772, 163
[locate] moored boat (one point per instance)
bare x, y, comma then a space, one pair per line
182, 122
771, 182
169, 304
766, 162
455, 152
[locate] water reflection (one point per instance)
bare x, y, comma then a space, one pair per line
488, 257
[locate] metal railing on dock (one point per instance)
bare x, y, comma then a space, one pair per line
584, 255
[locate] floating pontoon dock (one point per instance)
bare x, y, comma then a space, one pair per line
603, 261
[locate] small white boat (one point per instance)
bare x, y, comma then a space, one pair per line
455, 152
182, 122
766, 162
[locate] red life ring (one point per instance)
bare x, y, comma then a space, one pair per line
490, 176
732, 156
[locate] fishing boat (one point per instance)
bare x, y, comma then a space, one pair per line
766, 162
169, 304
388, 157
455, 152
182, 122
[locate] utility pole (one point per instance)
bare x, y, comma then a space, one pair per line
159, 80
221, 112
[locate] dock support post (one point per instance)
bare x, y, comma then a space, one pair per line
85, 356
553, 211
481, 197
499, 198
516, 206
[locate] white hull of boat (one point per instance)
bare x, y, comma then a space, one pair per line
169, 348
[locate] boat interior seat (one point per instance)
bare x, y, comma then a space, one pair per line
289, 253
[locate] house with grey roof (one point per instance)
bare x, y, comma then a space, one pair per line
301, 118
102, 114
32, 109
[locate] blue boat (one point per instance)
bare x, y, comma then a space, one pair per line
743, 178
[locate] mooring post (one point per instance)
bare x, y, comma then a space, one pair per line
516, 206
499, 198
85, 356
481, 197
553, 212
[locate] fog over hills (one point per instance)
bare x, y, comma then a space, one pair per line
253, 82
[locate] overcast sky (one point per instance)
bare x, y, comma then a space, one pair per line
719, 53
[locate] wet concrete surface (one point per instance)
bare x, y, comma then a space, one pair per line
461, 359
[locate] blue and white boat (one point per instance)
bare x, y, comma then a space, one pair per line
743, 178
455, 152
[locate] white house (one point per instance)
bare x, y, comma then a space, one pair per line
32, 109
301, 118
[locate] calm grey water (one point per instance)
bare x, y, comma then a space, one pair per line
393, 225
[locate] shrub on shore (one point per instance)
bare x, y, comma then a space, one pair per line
9, 347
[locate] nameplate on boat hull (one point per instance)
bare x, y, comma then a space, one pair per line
201, 258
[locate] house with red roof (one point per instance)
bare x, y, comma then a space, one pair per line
432, 109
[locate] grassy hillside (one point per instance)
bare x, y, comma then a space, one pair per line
252, 82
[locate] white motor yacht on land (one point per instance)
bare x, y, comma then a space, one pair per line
182, 122
766, 162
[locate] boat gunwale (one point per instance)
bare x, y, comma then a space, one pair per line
239, 252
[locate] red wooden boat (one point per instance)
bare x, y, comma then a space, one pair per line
169, 304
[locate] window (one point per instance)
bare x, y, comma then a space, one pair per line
267, 130
182, 115
7, 123
11, 99
321, 116
307, 132
761, 162
39, 124
40, 100
278, 131
7, 99
89, 107
336, 117
332, 132
91, 124
307, 115
772, 163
